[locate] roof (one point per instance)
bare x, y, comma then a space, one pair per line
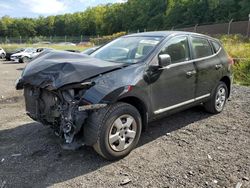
166, 34
154, 33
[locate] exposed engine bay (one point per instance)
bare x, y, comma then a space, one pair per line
64, 110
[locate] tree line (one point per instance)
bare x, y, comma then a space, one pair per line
130, 16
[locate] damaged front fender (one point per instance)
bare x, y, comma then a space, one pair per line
62, 89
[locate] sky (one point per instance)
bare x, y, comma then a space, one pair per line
35, 8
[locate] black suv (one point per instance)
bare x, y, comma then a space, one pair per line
106, 99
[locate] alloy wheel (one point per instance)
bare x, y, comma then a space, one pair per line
220, 98
122, 133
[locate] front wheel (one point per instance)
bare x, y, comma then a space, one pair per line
218, 99
23, 59
119, 128
2, 55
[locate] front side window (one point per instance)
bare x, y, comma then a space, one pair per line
178, 49
201, 47
127, 49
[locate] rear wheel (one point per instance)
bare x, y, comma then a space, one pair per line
118, 129
218, 100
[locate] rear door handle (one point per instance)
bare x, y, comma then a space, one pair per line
218, 66
190, 73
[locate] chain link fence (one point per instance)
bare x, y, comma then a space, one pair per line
46, 39
239, 27
230, 28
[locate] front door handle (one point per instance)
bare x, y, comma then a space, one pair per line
218, 66
190, 73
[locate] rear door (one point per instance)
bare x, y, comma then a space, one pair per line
208, 65
175, 86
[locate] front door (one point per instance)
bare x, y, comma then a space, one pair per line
175, 86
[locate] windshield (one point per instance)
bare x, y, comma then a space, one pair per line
127, 49
19, 50
88, 51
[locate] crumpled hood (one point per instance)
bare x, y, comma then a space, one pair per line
54, 69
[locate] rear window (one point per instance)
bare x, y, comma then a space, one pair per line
201, 47
216, 46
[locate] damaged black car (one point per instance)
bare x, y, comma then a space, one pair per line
106, 99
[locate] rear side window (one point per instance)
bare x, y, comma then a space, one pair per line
178, 49
201, 47
216, 46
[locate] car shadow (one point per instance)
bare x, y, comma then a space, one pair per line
10, 62
20, 69
171, 123
33, 157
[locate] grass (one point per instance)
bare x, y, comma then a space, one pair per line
11, 47
238, 47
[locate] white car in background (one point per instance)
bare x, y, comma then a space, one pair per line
2, 53
27, 54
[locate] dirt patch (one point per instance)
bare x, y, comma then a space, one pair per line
188, 149
11, 100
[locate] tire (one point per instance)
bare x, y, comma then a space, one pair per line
114, 131
2, 55
218, 100
23, 59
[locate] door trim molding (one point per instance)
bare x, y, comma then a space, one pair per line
180, 104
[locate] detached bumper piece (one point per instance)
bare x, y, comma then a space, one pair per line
91, 107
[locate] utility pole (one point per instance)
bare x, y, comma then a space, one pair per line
195, 27
229, 26
248, 27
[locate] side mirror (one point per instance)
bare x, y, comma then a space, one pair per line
164, 60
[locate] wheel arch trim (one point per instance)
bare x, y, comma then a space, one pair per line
228, 81
140, 105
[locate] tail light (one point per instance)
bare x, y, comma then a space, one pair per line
230, 60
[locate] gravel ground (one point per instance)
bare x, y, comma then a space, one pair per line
188, 149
